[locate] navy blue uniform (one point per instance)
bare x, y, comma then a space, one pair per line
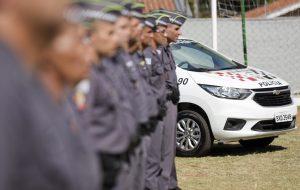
158, 76
137, 94
111, 119
119, 80
104, 117
145, 70
157, 83
132, 74
171, 77
109, 110
39, 147
168, 178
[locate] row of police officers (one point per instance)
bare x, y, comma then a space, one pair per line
121, 134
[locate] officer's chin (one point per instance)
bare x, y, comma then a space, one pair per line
112, 53
164, 43
176, 38
170, 40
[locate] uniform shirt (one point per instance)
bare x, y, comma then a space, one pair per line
39, 149
76, 121
135, 88
108, 115
158, 78
144, 70
169, 66
116, 74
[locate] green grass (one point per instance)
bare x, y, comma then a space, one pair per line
232, 167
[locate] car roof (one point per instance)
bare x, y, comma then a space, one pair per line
183, 40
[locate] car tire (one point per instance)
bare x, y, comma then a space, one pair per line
257, 143
196, 126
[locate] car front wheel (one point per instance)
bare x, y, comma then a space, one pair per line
192, 134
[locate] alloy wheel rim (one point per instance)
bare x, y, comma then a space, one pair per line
188, 134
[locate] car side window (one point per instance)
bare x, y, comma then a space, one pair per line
187, 57
192, 56
205, 60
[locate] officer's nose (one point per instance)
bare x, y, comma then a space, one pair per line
91, 56
179, 32
115, 40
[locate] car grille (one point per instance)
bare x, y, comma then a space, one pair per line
271, 125
273, 96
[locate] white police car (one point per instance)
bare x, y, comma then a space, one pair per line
225, 101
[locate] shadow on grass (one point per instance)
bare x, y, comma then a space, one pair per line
221, 150
238, 150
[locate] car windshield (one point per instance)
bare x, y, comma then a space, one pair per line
192, 56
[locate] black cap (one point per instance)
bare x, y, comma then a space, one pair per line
131, 8
175, 16
161, 19
150, 21
137, 10
116, 7
87, 12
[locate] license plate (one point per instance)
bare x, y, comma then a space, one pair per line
283, 117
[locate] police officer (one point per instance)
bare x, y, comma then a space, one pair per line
70, 49
128, 30
125, 68
89, 56
157, 81
169, 177
110, 118
145, 101
39, 150
147, 43
135, 51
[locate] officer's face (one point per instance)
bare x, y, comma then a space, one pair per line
147, 36
173, 32
70, 54
136, 28
123, 30
160, 36
90, 54
37, 12
104, 39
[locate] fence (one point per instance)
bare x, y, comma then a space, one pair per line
273, 44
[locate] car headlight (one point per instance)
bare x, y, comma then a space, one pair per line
227, 92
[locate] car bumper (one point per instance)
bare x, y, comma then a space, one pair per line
248, 110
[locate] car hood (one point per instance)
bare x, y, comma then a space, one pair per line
248, 78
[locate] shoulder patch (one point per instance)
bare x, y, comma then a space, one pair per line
142, 63
129, 63
148, 61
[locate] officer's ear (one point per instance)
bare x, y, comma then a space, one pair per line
165, 34
92, 32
